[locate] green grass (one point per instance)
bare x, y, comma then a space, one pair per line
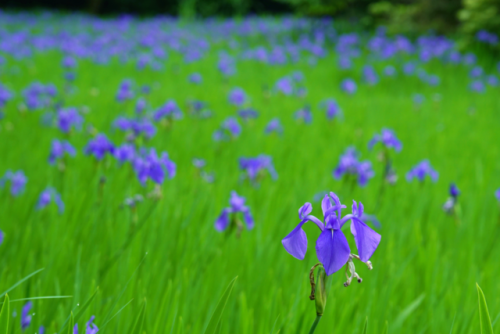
171, 276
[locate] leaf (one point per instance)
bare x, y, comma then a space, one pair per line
365, 328
386, 328
4, 316
408, 310
276, 321
484, 316
119, 311
136, 328
71, 323
216, 316
80, 311
41, 297
19, 282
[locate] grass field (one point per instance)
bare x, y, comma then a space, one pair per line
166, 255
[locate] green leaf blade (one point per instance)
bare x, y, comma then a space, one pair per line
484, 316
4, 316
217, 315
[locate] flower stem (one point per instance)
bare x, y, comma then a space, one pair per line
315, 323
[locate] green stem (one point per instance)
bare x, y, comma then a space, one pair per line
315, 323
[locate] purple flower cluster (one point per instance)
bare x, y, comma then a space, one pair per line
148, 165
58, 149
275, 126
229, 129
388, 138
99, 147
68, 119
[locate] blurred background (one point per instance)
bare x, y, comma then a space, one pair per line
463, 19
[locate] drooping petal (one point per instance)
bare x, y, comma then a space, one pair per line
248, 219
305, 210
223, 221
367, 240
332, 250
295, 242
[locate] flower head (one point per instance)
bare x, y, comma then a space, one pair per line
274, 125
124, 153
304, 114
349, 164
59, 149
169, 110
332, 109
50, 195
237, 97
421, 170
349, 86
255, 166
99, 146
332, 248
25, 316
230, 128
69, 118
148, 165
387, 138
17, 182
228, 215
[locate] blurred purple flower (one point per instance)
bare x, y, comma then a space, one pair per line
349, 164
227, 216
69, 118
59, 148
17, 182
421, 170
349, 86
255, 166
47, 196
148, 165
274, 126
237, 97
388, 138
99, 146
25, 316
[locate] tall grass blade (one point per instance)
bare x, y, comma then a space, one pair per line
136, 327
484, 316
19, 282
80, 311
408, 311
216, 316
4, 316
365, 328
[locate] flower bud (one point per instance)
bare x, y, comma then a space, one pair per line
321, 291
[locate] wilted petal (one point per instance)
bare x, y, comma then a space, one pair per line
367, 240
332, 250
295, 242
305, 210
223, 221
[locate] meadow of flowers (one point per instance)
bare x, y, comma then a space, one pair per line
147, 163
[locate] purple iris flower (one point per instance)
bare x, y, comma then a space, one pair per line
369, 75
140, 105
237, 97
25, 316
137, 126
59, 148
449, 205
304, 114
169, 110
230, 128
492, 80
349, 164
332, 247
389, 71
5, 95
248, 113
124, 91
497, 194
2, 236
227, 216
124, 153
91, 327
421, 170
255, 166
274, 126
148, 165
17, 182
41, 330
99, 146
476, 72
199, 163
477, 86
69, 118
47, 196
349, 86
195, 78
69, 62
387, 138
332, 109
285, 85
